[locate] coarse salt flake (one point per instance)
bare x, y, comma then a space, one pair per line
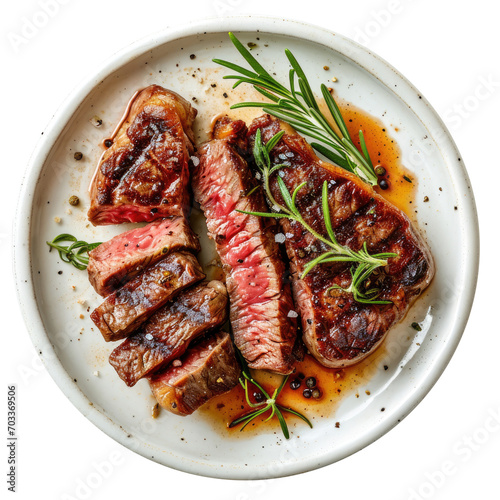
195, 160
149, 336
279, 238
96, 373
176, 362
292, 314
289, 235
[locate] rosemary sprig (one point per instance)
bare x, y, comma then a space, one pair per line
298, 107
364, 263
76, 254
269, 405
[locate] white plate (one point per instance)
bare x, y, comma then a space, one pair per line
74, 356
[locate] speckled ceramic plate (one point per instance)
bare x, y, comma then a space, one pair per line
56, 306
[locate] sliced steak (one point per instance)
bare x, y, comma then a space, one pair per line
126, 309
339, 331
144, 175
169, 331
260, 298
206, 370
118, 260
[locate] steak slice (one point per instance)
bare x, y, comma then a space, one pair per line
260, 298
118, 260
207, 369
126, 309
169, 331
337, 330
144, 175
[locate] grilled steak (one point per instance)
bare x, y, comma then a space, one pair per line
118, 260
339, 331
126, 309
207, 369
169, 331
260, 299
144, 175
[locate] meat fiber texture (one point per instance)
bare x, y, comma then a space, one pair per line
337, 330
168, 333
126, 309
118, 260
208, 369
144, 175
261, 306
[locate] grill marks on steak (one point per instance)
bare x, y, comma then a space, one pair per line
118, 260
208, 369
144, 175
260, 299
337, 330
126, 309
169, 331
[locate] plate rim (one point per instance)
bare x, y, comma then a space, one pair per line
359, 55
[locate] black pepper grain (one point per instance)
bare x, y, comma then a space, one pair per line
78, 156
311, 382
383, 184
258, 396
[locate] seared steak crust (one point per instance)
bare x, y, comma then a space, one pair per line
126, 309
208, 369
118, 260
144, 175
339, 331
169, 331
260, 299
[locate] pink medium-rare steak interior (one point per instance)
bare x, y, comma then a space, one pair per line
118, 260
144, 175
260, 298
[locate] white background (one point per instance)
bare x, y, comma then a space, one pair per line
448, 49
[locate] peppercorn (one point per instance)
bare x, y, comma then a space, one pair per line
307, 393
295, 384
383, 184
108, 143
311, 382
316, 394
74, 200
380, 170
258, 396
78, 156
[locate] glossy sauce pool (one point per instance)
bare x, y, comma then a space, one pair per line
333, 385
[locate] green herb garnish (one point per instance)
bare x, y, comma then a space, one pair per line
365, 263
76, 254
298, 107
268, 405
